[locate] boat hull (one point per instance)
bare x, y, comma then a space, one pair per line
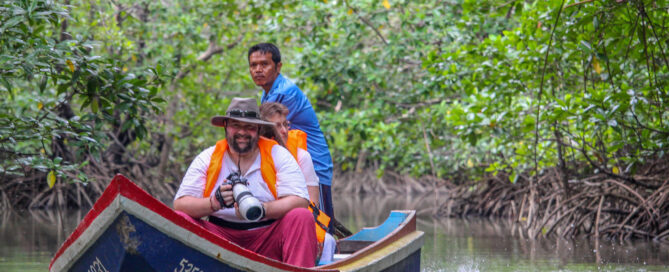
130, 244
128, 230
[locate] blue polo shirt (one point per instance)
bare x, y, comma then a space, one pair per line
303, 117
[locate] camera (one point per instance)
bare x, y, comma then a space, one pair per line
249, 206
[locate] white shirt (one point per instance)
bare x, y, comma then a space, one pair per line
289, 178
307, 167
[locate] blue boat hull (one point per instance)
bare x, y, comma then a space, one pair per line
130, 244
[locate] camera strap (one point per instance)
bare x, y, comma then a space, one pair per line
220, 199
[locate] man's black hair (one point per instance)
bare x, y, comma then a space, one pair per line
266, 48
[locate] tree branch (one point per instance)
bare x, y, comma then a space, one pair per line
579, 3
212, 50
367, 22
612, 175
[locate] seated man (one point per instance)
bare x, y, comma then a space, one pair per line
286, 232
296, 141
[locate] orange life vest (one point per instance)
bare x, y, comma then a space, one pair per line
266, 165
268, 172
298, 139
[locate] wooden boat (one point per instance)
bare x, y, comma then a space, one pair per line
128, 230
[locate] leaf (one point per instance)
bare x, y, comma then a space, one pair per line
158, 100
513, 178
70, 64
12, 22
61, 89
386, 4
94, 105
51, 179
595, 64
75, 76
89, 139
42, 84
586, 47
7, 86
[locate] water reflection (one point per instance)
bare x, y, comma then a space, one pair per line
481, 244
28, 240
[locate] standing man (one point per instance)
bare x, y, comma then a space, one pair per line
265, 68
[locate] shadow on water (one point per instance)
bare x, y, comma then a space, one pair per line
482, 244
28, 240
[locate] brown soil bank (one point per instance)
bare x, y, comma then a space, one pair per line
602, 205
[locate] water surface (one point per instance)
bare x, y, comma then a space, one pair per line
28, 240
482, 244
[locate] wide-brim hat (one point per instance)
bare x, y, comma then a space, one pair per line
243, 110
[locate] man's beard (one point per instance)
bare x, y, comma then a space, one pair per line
247, 148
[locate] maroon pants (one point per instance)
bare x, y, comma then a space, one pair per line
291, 239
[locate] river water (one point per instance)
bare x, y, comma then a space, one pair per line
28, 240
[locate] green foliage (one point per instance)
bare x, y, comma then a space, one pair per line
200, 45
448, 88
474, 87
60, 100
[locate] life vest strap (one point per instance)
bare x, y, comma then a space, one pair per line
317, 212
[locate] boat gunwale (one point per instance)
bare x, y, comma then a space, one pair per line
406, 227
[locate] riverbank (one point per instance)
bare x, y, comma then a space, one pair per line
603, 205
596, 206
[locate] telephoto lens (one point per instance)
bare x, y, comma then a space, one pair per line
249, 206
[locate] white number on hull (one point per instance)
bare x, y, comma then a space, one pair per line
186, 266
97, 266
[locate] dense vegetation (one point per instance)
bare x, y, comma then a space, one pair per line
456, 90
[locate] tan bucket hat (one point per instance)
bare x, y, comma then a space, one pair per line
243, 110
